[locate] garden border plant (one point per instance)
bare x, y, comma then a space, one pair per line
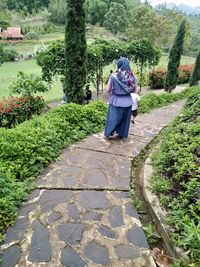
176, 178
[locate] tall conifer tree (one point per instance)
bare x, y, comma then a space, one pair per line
175, 58
75, 51
196, 73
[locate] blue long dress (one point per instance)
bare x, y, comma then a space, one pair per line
119, 111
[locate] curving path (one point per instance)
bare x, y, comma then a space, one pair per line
81, 213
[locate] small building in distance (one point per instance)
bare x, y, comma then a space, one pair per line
12, 33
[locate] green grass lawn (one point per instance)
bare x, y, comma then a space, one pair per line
9, 70
8, 73
184, 60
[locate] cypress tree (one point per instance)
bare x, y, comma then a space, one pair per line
75, 51
175, 58
196, 73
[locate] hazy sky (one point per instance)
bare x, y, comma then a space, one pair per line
186, 2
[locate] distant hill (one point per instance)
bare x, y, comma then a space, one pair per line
184, 8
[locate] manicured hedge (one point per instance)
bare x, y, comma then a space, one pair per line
176, 177
151, 100
157, 77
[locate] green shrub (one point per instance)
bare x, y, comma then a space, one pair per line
157, 77
28, 84
178, 163
11, 195
31, 36
38, 29
7, 55
151, 100
15, 110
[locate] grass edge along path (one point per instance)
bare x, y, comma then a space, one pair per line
176, 181
29, 147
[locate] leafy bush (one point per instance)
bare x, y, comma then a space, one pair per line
151, 100
178, 163
11, 195
15, 110
157, 76
185, 71
7, 55
26, 149
28, 84
38, 29
31, 36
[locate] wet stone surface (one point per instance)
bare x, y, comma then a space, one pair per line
11, 256
55, 216
73, 211
94, 170
137, 237
17, 231
51, 198
70, 258
94, 200
106, 231
115, 217
97, 253
40, 250
127, 252
130, 210
71, 233
92, 216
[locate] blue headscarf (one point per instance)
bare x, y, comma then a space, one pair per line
123, 64
125, 75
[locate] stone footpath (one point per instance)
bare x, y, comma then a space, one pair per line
81, 213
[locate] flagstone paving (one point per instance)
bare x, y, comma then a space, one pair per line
81, 212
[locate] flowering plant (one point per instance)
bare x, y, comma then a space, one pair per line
156, 77
14, 110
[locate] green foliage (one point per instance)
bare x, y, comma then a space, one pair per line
157, 77
31, 36
75, 52
143, 24
58, 11
26, 6
7, 55
28, 84
39, 29
160, 185
116, 19
99, 54
178, 163
196, 73
12, 192
96, 10
5, 19
175, 58
151, 100
151, 236
144, 54
15, 110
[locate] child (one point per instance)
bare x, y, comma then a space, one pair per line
136, 99
64, 97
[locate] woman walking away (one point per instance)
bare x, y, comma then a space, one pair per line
120, 86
